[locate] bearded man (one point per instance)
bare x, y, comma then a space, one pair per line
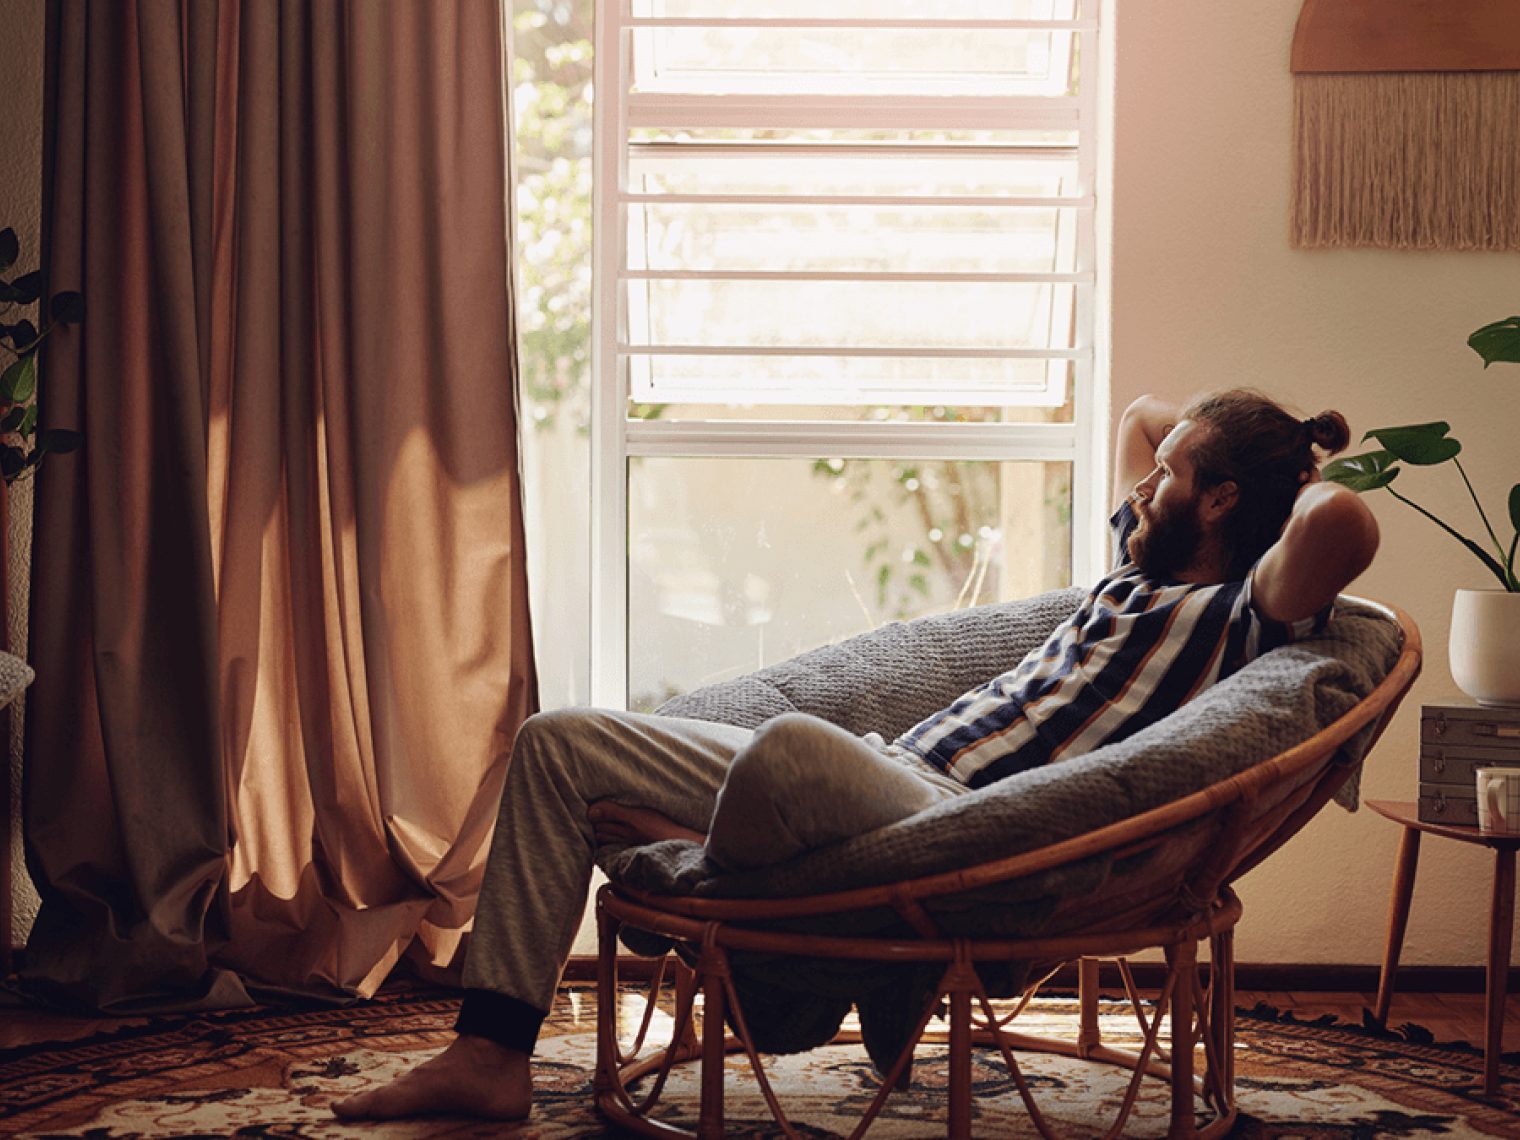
1227, 544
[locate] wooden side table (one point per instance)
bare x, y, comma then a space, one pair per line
1501, 917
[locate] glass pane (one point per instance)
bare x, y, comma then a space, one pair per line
800, 169
551, 75
771, 381
886, 238
739, 563
858, 314
800, 60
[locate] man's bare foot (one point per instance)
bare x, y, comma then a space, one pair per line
472, 1077
613, 822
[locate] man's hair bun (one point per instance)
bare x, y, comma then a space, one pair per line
1330, 431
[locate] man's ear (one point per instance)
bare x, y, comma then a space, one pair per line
1218, 501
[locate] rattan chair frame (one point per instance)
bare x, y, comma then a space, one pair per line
1196, 847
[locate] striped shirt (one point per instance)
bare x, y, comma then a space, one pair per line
1135, 650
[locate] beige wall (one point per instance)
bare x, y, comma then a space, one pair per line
1206, 292
21, 29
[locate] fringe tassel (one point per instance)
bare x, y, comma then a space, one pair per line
1407, 160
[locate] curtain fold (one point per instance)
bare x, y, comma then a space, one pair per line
279, 600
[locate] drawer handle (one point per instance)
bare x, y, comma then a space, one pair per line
1503, 731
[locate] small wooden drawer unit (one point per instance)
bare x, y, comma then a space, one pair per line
1455, 741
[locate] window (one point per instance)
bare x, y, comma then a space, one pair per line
842, 346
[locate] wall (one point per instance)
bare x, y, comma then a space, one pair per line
1207, 292
21, 36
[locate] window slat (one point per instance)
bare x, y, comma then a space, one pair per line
647, 110
803, 23
854, 275
925, 353
980, 201
1035, 441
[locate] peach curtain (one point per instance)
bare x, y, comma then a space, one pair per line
279, 608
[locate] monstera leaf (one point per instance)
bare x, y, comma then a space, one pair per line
1423, 445
1499, 341
1366, 472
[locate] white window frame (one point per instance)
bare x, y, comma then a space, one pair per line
615, 439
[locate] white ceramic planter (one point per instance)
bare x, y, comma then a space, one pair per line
1485, 645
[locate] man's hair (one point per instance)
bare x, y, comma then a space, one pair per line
1266, 452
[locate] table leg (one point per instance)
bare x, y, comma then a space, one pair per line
1500, 929
1398, 920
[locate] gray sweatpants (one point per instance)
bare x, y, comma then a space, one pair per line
795, 783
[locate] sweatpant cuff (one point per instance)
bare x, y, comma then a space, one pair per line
499, 1018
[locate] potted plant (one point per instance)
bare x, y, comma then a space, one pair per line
22, 446
1484, 647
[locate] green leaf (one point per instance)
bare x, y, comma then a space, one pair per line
28, 420
19, 381
59, 441
1499, 341
68, 307
1424, 445
23, 335
10, 248
11, 421
1366, 472
28, 286
1514, 506
12, 462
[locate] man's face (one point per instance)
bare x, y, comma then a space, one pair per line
1169, 534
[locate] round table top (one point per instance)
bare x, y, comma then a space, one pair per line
1407, 812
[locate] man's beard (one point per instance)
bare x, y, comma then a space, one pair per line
1166, 542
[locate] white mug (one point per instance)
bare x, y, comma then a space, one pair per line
1499, 800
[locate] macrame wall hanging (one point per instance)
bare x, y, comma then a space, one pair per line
1407, 124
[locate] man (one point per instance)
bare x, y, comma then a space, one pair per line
1227, 544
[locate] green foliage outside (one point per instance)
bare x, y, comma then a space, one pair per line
552, 103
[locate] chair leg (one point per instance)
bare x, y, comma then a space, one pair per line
1222, 1015
606, 1076
1089, 1036
961, 983
713, 966
1182, 959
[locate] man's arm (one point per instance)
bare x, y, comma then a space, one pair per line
1329, 539
1142, 427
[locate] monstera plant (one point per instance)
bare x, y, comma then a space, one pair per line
22, 446
1430, 445
1485, 625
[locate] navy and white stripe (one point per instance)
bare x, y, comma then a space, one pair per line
1134, 651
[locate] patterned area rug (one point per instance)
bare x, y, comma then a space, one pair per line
273, 1073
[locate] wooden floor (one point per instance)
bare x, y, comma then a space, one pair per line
1449, 1017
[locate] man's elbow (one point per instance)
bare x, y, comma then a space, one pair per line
1343, 531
